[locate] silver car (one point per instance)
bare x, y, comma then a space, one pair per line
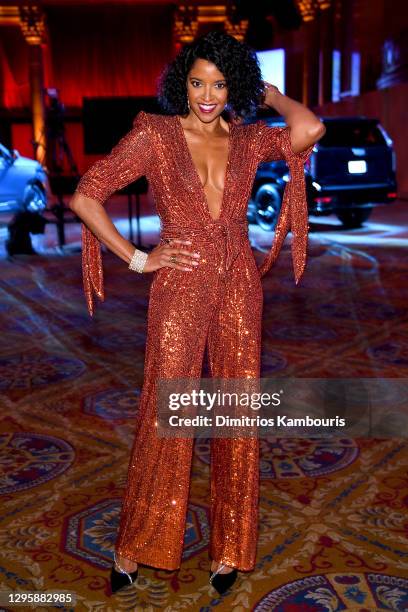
23, 183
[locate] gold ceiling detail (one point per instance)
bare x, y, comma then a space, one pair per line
32, 24
309, 8
237, 30
323, 4
188, 19
185, 26
9, 15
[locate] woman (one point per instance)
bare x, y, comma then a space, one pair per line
206, 287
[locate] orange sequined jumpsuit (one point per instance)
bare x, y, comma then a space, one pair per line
220, 303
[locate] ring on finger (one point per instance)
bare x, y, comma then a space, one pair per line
173, 258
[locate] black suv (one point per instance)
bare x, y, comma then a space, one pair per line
351, 170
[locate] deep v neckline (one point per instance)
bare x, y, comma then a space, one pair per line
196, 176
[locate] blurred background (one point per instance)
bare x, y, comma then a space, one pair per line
74, 74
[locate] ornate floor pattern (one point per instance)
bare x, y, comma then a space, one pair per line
333, 513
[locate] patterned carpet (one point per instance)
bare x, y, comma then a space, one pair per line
333, 512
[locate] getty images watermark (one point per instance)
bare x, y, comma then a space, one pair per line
284, 407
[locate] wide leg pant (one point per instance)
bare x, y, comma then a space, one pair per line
187, 310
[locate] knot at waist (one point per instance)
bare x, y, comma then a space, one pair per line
227, 236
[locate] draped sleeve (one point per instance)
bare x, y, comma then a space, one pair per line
128, 160
274, 144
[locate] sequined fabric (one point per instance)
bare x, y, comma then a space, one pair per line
141, 152
219, 305
293, 214
127, 161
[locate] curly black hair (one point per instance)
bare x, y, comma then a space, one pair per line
235, 60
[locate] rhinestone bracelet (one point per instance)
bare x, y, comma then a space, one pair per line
137, 263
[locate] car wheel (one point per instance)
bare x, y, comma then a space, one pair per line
354, 217
35, 199
268, 202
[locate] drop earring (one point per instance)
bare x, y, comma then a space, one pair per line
188, 103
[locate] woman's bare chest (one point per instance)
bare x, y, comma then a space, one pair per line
210, 158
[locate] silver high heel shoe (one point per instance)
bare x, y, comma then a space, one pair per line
121, 578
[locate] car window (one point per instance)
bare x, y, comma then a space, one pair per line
350, 134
